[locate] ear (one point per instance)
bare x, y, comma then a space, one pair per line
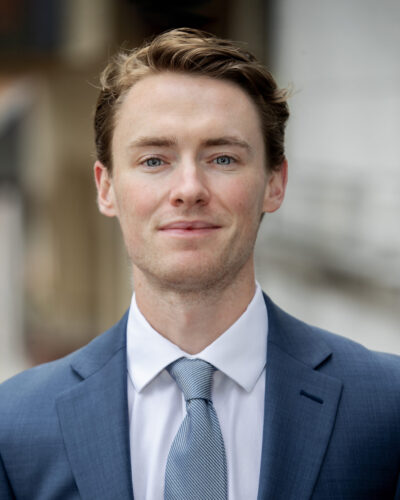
105, 190
276, 187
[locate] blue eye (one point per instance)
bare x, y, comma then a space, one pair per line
153, 162
224, 160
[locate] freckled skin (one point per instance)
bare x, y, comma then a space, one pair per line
186, 178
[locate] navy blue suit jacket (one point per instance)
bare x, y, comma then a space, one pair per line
331, 423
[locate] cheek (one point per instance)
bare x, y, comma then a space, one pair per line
135, 200
246, 197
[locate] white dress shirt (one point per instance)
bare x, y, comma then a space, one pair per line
157, 407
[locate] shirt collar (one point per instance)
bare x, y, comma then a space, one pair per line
240, 352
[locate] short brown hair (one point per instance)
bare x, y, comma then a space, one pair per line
192, 51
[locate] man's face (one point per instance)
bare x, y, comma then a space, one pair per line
189, 181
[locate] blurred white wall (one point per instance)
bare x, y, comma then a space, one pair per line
341, 215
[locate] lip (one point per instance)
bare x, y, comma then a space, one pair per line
186, 228
189, 225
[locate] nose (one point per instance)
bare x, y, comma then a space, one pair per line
189, 186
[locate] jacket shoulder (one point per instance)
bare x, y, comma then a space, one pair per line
348, 355
37, 388
328, 351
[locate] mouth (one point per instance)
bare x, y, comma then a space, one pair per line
187, 228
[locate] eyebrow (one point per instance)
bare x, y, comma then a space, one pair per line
152, 141
146, 141
228, 141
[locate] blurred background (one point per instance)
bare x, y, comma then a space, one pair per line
331, 255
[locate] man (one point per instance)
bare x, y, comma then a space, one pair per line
205, 389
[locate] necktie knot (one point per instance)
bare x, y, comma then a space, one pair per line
193, 377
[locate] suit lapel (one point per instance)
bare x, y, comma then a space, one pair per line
94, 419
300, 408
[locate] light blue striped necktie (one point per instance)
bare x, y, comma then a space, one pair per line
196, 465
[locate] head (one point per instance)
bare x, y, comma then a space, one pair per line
192, 52
189, 135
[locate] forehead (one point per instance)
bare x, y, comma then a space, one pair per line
186, 105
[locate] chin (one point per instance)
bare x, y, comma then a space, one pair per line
193, 272
187, 278
199, 278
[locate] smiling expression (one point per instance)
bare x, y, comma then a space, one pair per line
189, 181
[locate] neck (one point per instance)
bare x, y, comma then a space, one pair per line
193, 320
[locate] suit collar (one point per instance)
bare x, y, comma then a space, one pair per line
300, 408
101, 350
295, 337
93, 418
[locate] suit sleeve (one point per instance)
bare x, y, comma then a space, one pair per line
5, 487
